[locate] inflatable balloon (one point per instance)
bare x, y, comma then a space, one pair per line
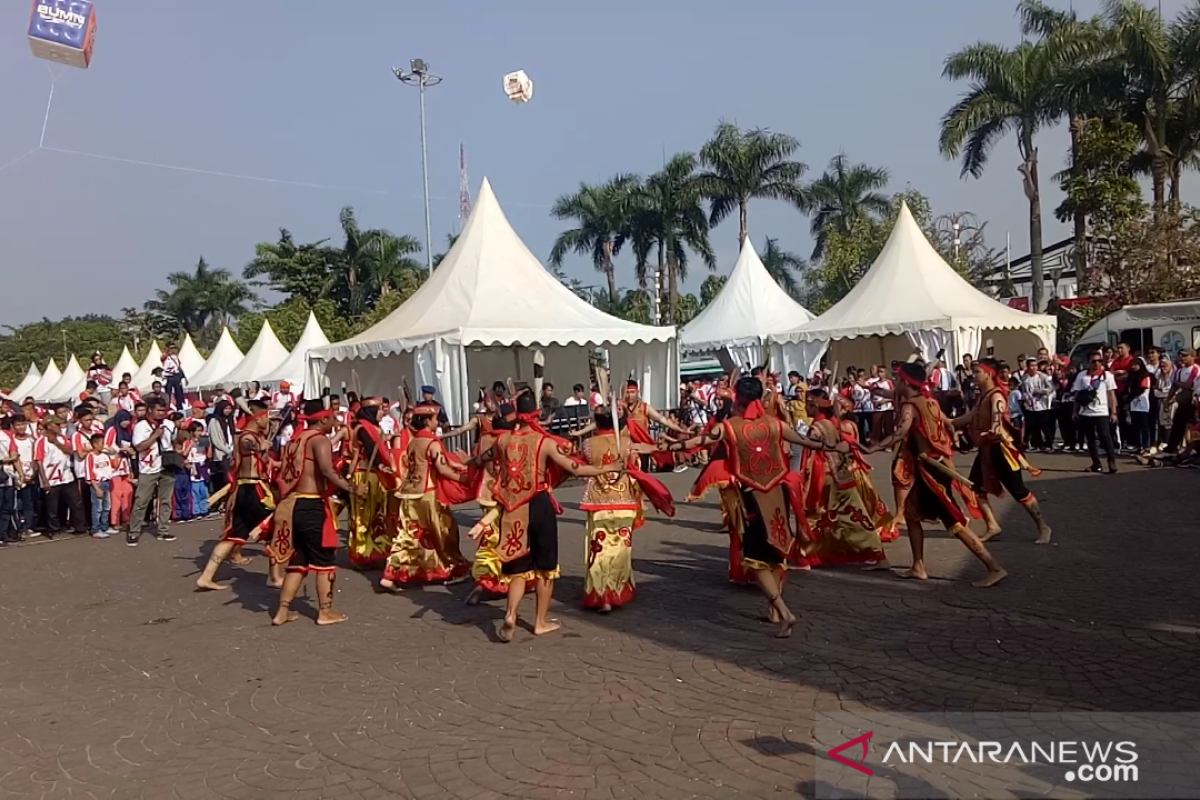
63, 31
518, 86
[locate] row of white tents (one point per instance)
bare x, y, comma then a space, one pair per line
267, 361
491, 309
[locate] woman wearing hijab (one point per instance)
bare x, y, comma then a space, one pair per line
118, 440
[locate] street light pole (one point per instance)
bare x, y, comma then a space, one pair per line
420, 76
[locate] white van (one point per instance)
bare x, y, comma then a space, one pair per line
1169, 326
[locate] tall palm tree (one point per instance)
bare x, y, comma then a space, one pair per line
1010, 92
739, 166
668, 218
601, 214
783, 265
203, 300
384, 258
309, 271
844, 193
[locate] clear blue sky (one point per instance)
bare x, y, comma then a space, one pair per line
303, 91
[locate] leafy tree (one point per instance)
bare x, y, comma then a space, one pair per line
739, 166
1149, 260
288, 320
712, 286
686, 309
38, 342
1102, 185
202, 302
668, 219
602, 215
784, 266
307, 272
636, 305
844, 193
1011, 91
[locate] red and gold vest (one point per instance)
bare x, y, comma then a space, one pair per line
519, 475
292, 459
757, 452
607, 492
418, 477
928, 434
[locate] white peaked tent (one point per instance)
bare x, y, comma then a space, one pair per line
750, 307
477, 317
143, 379
126, 363
21, 391
263, 356
49, 378
292, 369
910, 301
190, 358
221, 361
69, 384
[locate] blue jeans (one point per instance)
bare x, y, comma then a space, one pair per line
101, 505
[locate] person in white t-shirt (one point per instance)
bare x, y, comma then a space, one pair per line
578, 396
256, 392
1185, 387
98, 473
1096, 410
24, 441
55, 462
284, 397
153, 437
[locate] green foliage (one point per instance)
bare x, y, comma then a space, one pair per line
1101, 183
288, 320
201, 302
844, 193
1148, 260
38, 342
712, 286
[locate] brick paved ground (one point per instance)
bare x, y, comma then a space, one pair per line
117, 681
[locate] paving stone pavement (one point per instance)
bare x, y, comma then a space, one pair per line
118, 681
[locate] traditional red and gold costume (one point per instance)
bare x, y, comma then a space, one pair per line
716, 476
923, 491
282, 548
248, 512
998, 463
528, 523
370, 464
637, 422
426, 547
613, 503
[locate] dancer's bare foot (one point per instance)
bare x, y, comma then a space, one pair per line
1043, 535
604, 609
240, 561
787, 621
283, 617
275, 583
475, 596
877, 566
772, 614
507, 630
915, 573
204, 584
993, 577
990, 533
550, 626
330, 617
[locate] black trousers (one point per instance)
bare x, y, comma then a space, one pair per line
1098, 432
1039, 428
1067, 424
173, 386
1185, 414
65, 498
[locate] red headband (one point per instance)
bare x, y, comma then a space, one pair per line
923, 386
989, 369
320, 415
532, 416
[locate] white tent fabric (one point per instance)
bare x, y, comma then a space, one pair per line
21, 391
69, 384
50, 376
190, 358
749, 308
126, 363
221, 361
143, 378
473, 320
292, 369
263, 356
912, 300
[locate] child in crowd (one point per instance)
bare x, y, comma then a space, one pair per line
98, 469
197, 461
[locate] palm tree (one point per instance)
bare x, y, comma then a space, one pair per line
742, 165
1011, 91
202, 301
844, 193
309, 271
384, 260
784, 266
668, 217
602, 215
438, 258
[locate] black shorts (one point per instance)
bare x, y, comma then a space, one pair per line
308, 529
756, 544
248, 513
543, 539
1011, 479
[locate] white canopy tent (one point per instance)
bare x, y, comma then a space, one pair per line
69, 384
478, 316
292, 368
21, 391
143, 379
750, 307
126, 363
50, 377
263, 356
912, 300
221, 361
190, 358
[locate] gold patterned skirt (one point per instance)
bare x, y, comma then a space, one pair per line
370, 535
426, 546
609, 558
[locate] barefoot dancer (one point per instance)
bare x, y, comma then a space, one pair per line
528, 464
998, 464
923, 477
759, 461
304, 524
371, 466
248, 512
426, 548
486, 571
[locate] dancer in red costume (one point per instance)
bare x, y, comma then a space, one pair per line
758, 458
